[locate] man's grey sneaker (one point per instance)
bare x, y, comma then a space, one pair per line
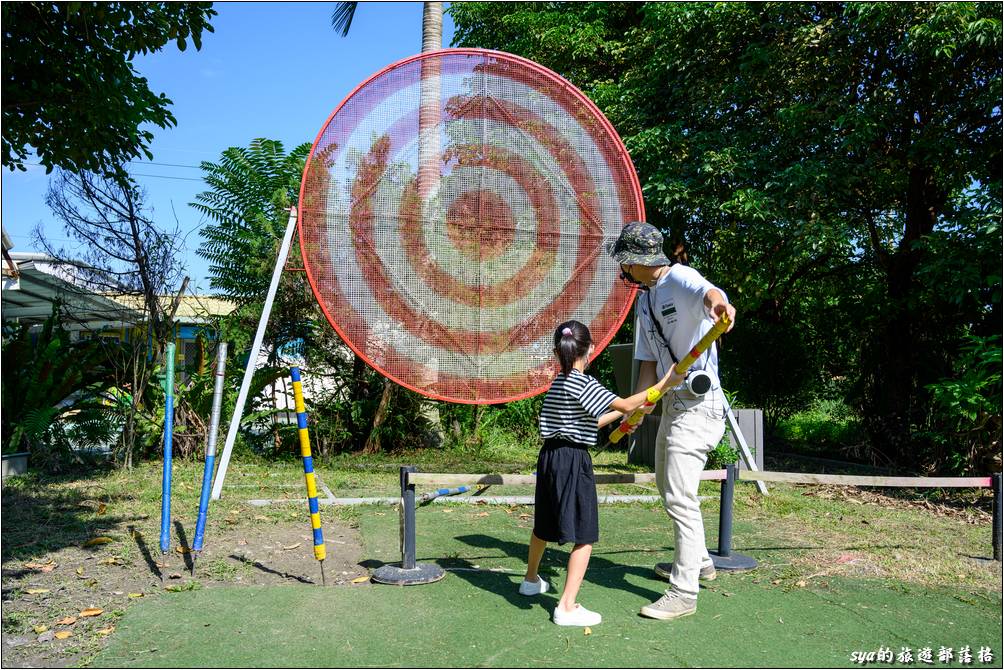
707, 574
673, 605
533, 588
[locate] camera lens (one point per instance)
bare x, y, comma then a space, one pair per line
699, 382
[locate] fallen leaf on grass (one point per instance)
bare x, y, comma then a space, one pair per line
111, 560
174, 575
482, 514
260, 517
587, 631
41, 567
234, 511
95, 541
292, 546
360, 580
775, 581
780, 620
182, 550
67, 621
91, 611
40, 628
105, 631
63, 634
135, 595
80, 570
800, 583
36, 591
241, 542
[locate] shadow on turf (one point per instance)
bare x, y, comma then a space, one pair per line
144, 550
601, 571
265, 569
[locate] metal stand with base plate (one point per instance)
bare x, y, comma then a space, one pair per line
408, 572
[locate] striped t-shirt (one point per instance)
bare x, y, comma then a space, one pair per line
571, 407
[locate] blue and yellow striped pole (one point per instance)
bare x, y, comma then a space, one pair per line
308, 471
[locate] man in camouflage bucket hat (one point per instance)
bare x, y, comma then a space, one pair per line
639, 244
675, 308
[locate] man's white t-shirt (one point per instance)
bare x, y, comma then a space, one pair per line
677, 301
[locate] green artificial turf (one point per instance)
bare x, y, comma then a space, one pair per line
474, 617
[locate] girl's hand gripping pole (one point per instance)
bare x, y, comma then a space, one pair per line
636, 416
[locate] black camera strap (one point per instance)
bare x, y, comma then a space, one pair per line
658, 327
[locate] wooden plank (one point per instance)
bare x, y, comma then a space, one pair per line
448, 480
861, 480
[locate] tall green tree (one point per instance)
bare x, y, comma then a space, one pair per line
250, 192
70, 91
814, 157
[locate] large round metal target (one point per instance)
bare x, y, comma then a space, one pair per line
455, 208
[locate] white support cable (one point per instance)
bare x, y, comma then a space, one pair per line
242, 396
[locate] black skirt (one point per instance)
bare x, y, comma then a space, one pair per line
566, 509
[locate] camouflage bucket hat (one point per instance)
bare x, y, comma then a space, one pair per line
639, 244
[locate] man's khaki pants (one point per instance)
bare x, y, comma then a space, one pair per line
690, 428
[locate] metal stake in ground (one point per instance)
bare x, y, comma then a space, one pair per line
207, 473
165, 501
408, 572
308, 472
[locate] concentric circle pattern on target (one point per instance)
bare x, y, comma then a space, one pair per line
455, 209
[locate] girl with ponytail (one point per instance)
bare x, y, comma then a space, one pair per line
565, 504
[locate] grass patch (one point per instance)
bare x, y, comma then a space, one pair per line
773, 617
828, 427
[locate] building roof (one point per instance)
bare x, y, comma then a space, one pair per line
38, 280
191, 309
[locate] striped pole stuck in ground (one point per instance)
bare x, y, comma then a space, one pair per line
165, 501
308, 470
207, 472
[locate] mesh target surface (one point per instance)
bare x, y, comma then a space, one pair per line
455, 208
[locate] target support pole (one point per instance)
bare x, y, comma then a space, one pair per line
207, 473
242, 395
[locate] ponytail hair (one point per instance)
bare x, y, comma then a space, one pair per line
571, 342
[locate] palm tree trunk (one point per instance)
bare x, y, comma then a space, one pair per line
432, 40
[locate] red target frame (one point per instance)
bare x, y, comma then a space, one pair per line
559, 186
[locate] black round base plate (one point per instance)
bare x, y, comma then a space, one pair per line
422, 573
734, 562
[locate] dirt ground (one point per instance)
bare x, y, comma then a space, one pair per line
59, 609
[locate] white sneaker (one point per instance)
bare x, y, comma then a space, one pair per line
533, 588
580, 616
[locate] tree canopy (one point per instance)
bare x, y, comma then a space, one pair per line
836, 167
70, 91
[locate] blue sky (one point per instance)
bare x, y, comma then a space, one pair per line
271, 69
